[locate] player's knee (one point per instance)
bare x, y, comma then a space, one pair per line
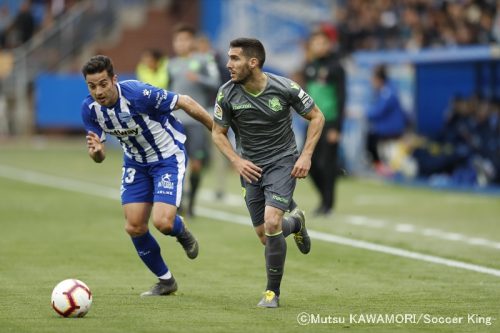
272, 224
272, 221
164, 223
135, 230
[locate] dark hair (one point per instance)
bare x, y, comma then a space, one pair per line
182, 27
156, 54
380, 72
97, 64
251, 47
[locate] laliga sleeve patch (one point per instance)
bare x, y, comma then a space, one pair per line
218, 112
174, 102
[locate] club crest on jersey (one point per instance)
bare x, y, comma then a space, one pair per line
124, 116
218, 112
165, 182
146, 92
123, 132
275, 104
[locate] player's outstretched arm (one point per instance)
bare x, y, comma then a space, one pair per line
96, 147
249, 171
316, 123
195, 110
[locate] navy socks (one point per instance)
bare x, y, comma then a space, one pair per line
149, 252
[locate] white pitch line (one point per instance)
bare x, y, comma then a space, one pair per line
60, 183
365, 221
403, 253
33, 177
405, 228
369, 222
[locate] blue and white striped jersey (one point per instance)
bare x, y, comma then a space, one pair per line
141, 119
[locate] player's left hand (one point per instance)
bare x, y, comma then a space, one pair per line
301, 167
94, 143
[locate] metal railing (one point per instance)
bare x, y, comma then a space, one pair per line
50, 48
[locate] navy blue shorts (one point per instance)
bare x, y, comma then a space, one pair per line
275, 188
154, 182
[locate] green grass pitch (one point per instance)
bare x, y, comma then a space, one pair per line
56, 223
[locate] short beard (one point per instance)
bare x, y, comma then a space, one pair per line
245, 78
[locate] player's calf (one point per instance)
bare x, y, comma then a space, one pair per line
189, 243
302, 239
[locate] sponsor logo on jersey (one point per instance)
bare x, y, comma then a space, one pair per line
122, 132
218, 112
295, 86
239, 106
174, 102
305, 98
165, 182
275, 104
280, 199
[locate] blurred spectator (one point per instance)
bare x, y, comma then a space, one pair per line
204, 46
5, 21
19, 23
386, 118
22, 27
152, 68
414, 24
325, 83
496, 23
450, 149
220, 163
466, 153
195, 74
4, 113
485, 143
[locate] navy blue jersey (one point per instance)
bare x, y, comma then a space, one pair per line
141, 119
263, 122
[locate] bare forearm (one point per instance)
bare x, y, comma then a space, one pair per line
222, 142
313, 134
196, 111
200, 114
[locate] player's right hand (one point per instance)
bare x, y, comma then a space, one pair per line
94, 143
249, 171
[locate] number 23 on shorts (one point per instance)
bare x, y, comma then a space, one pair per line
128, 175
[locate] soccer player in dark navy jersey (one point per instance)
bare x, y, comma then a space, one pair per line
141, 117
257, 106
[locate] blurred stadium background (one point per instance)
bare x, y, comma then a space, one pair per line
444, 59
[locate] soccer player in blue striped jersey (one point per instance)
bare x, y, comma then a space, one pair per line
141, 117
